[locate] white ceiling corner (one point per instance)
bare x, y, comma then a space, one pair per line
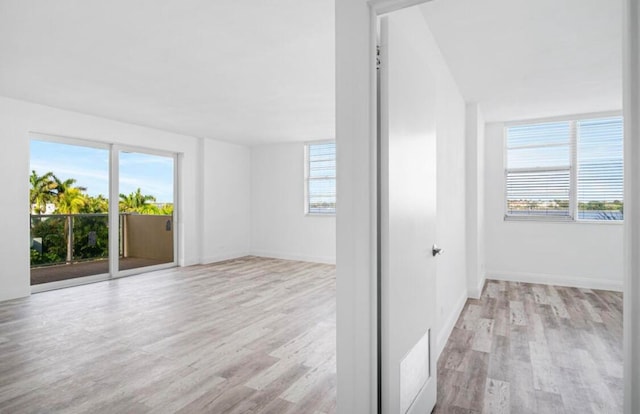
246, 71
523, 59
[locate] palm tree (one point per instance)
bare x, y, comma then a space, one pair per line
137, 202
98, 204
62, 186
70, 201
42, 191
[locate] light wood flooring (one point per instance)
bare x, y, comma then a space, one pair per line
526, 348
251, 335
257, 335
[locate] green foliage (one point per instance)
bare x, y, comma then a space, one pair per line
42, 191
166, 209
90, 233
137, 202
71, 201
50, 230
616, 205
97, 204
90, 237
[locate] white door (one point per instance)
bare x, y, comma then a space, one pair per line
407, 216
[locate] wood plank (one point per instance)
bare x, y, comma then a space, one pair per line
496, 398
549, 350
229, 337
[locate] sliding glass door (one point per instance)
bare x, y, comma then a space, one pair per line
98, 211
146, 206
69, 208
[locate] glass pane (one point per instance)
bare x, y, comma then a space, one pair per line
69, 205
321, 181
146, 210
551, 133
600, 169
322, 196
535, 157
538, 193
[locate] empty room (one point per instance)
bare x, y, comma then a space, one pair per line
208, 130
319, 206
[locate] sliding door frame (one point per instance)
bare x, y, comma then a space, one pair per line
114, 220
80, 142
114, 198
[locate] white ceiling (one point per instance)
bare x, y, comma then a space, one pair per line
256, 71
532, 58
248, 71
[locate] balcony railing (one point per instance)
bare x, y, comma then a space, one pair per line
72, 239
66, 238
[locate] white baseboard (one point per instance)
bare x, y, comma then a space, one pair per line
223, 257
557, 280
449, 324
191, 261
289, 256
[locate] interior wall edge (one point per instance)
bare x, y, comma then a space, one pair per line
222, 257
476, 291
631, 99
447, 327
556, 280
293, 256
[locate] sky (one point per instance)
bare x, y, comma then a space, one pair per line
90, 167
599, 158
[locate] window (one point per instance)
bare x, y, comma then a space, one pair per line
320, 178
565, 170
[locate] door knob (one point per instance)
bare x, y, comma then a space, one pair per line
436, 250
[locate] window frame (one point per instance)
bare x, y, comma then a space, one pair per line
307, 178
573, 165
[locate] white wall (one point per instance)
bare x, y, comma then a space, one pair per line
18, 118
279, 226
475, 199
227, 201
571, 254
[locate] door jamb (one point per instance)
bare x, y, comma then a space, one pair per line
631, 289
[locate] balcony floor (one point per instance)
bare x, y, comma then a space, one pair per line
56, 273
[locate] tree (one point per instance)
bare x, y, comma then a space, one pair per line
96, 205
137, 202
42, 191
70, 233
166, 209
62, 186
71, 201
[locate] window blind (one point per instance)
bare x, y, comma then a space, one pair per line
321, 178
569, 169
538, 174
600, 169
